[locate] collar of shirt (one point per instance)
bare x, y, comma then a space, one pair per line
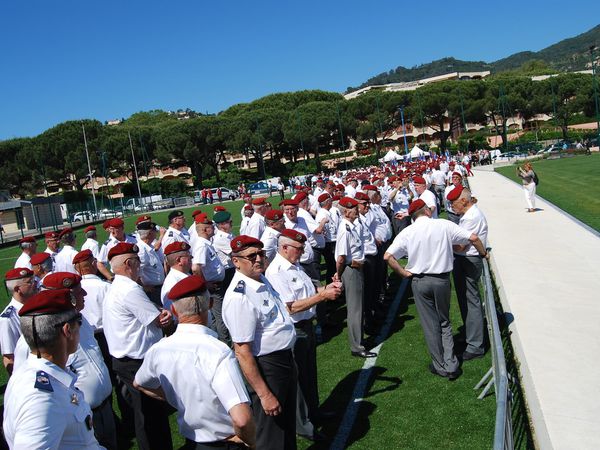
126, 281
195, 328
62, 375
346, 222
284, 263
222, 234
272, 231
90, 276
202, 240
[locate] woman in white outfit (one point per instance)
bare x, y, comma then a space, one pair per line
527, 175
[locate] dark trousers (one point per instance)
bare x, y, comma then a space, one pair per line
152, 429
400, 224
218, 325
305, 355
329, 256
371, 289
191, 445
278, 369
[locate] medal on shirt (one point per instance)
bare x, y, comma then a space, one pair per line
74, 399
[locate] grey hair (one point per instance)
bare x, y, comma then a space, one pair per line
284, 240
12, 284
192, 306
68, 238
46, 266
46, 328
143, 234
25, 245
172, 258
90, 234
117, 262
466, 194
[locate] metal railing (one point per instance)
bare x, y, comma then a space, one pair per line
498, 375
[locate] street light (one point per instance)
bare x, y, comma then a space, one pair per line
401, 109
592, 48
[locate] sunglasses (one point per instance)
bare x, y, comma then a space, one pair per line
252, 256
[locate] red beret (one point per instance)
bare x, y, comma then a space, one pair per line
392, 179
294, 235
369, 187
288, 202
39, 258
27, 239
415, 206
361, 196
49, 302
188, 287
419, 180
202, 218
83, 255
115, 222
454, 193
65, 231
348, 202
330, 183
300, 196
336, 198
144, 218
323, 197
51, 235
61, 280
258, 201
90, 228
340, 186
457, 174
175, 247
243, 242
248, 207
122, 248
18, 273
105, 224
196, 212
274, 214
219, 208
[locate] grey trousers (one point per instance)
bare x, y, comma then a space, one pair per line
353, 288
467, 272
105, 429
432, 298
218, 325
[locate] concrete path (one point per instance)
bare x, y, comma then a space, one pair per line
547, 268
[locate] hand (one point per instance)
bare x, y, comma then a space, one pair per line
161, 232
336, 278
331, 291
399, 216
407, 274
165, 318
270, 405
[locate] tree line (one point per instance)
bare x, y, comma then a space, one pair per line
284, 125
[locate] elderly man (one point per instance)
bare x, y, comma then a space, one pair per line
431, 279
301, 297
263, 334
179, 259
91, 241
132, 324
350, 259
222, 243
468, 267
426, 195
275, 225
331, 219
116, 230
247, 212
176, 230
28, 246
198, 375
42, 406
257, 225
52, 239
152, 261
21, 284
294, 222
399, 197
41, 264
456, 179
63, 260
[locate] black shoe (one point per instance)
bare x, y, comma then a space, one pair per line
364, 354
439, 373
467, 356
454, 375
317, 436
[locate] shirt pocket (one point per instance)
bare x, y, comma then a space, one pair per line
269, 312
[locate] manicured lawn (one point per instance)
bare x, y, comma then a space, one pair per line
570, 183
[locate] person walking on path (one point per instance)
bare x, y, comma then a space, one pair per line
527, 175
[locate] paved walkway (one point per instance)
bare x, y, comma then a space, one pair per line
547, 268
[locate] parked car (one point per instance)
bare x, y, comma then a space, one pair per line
83, 216
259, 188
226, 194
108, 214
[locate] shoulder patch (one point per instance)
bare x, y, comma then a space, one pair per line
170, 234
347, 227
8, 311
42, 381
107, 241
241, 287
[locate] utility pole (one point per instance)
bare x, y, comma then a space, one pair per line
337, 106
87, 155
401, 109
135, 170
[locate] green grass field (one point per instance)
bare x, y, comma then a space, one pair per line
570, 183
405, 406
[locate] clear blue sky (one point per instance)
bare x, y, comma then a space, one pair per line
75, 59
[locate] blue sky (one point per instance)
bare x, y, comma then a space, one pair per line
65, 60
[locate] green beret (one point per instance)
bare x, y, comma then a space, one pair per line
222, 216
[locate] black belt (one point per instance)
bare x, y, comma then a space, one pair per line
128, 359
434, 275
104, 402
302, 323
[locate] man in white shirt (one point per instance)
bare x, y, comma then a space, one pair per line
426, 195
257, 225
456, 179
116, 230
152, 261
399, 198
438, 181
132, 324
91, 241
275, 225
350, 188
222, 243
292, 221
428, 245
468, 267
198, 375
331, 221
247, 213
42, 266
179, 259
315, 236
52, 240
192, 228
63, 261
176, 230
28, 246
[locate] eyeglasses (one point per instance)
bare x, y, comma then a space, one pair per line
252, 256
77, 318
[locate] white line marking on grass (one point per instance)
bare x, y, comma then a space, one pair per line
360, 388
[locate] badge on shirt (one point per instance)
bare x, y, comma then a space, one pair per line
8, 311
241, 287
42, 381
74, 399
265, 302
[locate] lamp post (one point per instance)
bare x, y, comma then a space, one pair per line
592, 48
401, 109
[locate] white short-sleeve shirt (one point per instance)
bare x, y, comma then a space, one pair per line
205, 255
173, 235
431, 201
200, 377
173, 277
349, 242
222, 243
474, 222
10, 327
152, 272
96, 290
314, 239
24, 260
256, 226
270, 238
128, 319
92, 245
63, 261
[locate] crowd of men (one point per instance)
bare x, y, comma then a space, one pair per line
223, 329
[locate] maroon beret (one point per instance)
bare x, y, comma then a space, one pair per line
294, 235
219, 208
248, 208
258, 201
361, 196
83, 255
455, 193
336, 198
142, 219
369, 187
122, 248
51, 235
115, 222
188, 287
348, 202
300, 196
415, 206
175, 247
49, 302
243, 242
340, 187
288, 202
39, 258
90, 228
324, 197
65, 231
274, 214
27, 239
105, 224
457, 174
196, 212
419, 180
61, 280
203, 219
18, 273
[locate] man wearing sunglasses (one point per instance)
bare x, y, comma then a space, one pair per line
43, 407
263, 335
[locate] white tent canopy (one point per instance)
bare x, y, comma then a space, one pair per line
391, 156
417, 152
